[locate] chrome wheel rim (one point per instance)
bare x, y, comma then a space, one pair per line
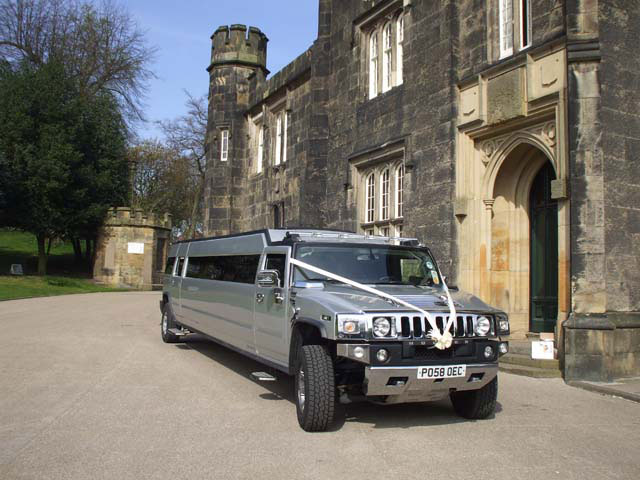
301, 390
164, 323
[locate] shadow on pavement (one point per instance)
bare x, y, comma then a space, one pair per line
380, 416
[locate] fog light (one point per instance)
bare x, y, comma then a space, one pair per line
358, 352
503, 348
488, 352
382, 355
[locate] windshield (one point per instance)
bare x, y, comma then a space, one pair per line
382, 265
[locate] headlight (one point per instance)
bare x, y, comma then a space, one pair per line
381, 327
483, 325
503, 324
352, 325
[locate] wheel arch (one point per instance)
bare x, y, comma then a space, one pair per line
306, 331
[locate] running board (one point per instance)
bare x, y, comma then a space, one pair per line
179, 332
263, 377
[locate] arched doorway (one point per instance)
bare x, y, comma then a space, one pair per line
543, 220
523, 226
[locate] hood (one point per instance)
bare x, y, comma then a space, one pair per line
346, 299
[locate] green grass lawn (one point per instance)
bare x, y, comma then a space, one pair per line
65, 277
12, 287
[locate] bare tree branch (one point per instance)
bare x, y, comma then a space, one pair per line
99, 44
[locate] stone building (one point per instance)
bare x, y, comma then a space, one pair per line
131, 250
502, 133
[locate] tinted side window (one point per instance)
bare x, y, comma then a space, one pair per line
169, 268
180, 265
276, 262
231, 268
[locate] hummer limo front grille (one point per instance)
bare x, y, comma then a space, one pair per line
417, 326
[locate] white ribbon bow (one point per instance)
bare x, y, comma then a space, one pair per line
442, 340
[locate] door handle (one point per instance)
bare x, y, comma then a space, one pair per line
278, 296
259, 297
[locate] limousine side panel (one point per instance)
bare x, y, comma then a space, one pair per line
222, 310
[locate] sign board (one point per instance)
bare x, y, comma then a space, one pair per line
542, 350
16, 269
135, 248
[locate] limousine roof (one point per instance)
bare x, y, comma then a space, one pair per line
284, 236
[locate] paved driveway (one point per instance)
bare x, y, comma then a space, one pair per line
88, 390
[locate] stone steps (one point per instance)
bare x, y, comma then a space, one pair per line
527, 361
518, 361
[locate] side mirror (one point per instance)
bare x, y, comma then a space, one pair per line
268, 278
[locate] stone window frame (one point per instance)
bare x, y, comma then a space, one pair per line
398, 198
372, 31
257, 131
391, 223
513, 19
224, 144
370, 198
385, 194
282, 126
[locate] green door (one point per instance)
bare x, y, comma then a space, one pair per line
544, 253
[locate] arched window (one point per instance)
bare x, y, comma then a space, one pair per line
399, 48
371, 198
399, 190
387, 49
384, 195
373, 64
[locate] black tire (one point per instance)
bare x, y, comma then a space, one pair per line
167, 322
315, 402
476, 404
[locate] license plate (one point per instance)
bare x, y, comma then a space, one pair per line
447, 371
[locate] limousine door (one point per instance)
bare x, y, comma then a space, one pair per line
176, 280
271, 305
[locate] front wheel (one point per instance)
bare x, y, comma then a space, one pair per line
315, 388
476, 404
167, 323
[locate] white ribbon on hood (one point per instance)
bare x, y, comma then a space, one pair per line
441, 340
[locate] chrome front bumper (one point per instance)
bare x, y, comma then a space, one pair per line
379, 381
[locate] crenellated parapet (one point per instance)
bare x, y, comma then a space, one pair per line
126, 216
239, 45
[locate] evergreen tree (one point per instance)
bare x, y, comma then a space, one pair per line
62, 154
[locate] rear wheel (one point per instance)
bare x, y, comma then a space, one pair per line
476, 404
315, 388
167, 323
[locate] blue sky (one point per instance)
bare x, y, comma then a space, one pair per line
181, 30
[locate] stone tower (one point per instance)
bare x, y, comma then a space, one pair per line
238, 58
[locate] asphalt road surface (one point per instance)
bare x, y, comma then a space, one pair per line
89, 391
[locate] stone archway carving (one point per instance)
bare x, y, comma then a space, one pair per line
494, 232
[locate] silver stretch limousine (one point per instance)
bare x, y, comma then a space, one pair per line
352, 317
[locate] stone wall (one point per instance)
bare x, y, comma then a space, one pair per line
131, 250
603, 339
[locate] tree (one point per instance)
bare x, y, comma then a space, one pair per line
73, 74
162, 181
62, 154
187, 136
100, 46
